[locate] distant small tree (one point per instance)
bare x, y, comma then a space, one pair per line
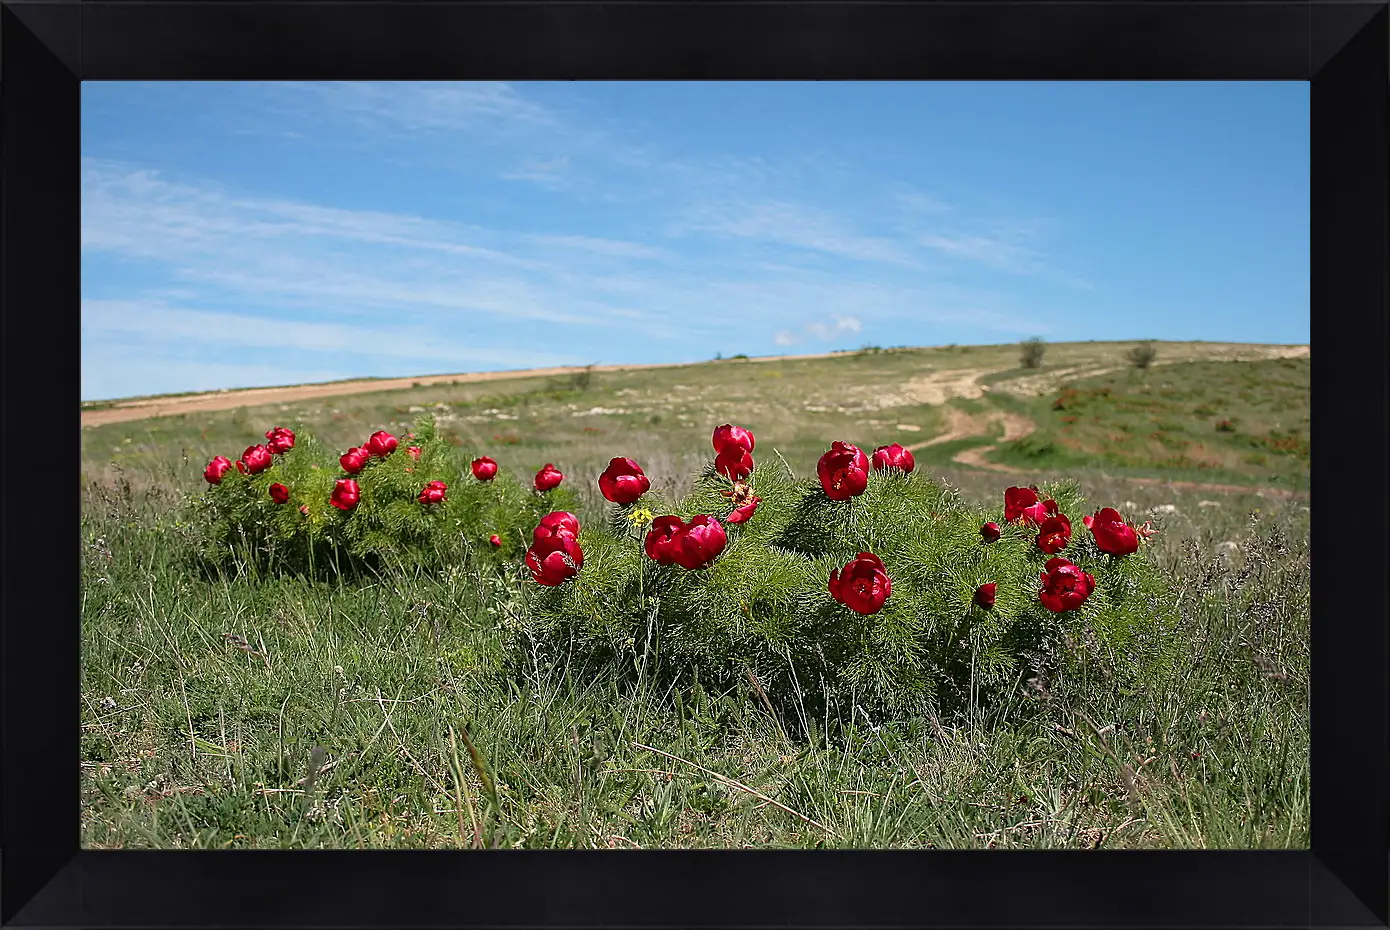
1142, 355
1031, 352
581, 380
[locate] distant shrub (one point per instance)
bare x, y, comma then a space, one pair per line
1031, 352
741, 355
1225, 426
1142, 355
583, 379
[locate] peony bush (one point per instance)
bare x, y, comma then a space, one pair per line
308, 509
870, 585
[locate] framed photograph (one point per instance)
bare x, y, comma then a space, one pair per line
693, 465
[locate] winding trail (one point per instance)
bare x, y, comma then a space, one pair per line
962, 425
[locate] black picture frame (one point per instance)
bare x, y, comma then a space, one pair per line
47, 47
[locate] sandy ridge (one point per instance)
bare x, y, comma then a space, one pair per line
246, 397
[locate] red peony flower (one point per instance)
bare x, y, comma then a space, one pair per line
1113, 535
381, 444
433, 493
892, 456
663, 542
548, 477
354, 460
1037, 513
1016, 499
495, 540
1054, 533
279, 493
257, 459
414, 452
703, 540
985, 596
727, 435
218, 467
862, 585
990, 532
742, 513
1065, 586
623, 481
280, 440
844, 471
554, 560
345, 494
554, 524
484, 468
734, 462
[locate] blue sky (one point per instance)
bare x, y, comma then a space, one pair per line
243, 234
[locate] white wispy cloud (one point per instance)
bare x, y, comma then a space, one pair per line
799, 225
152, 335
1001, 251
429, 106
599, 246
839, 326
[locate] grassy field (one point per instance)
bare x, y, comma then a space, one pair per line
225, 713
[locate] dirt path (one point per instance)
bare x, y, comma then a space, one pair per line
962, 425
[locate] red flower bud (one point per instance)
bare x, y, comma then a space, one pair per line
844, 471
1054, 533
495, 540
703, 540
304, 509
990, 532
548, 477
893, 456
734, 462
623, 481
727, 435
354, 460
1016, 499
554, 524
663, 541
279, 493
281, 440
1065, 586
433, 493
218, 467
414, 452
1146, 529
1113, 535
484, 468
381, 444
555, 560
862, 585
257, 459
241, 466
740, 514
345, 494
985, 596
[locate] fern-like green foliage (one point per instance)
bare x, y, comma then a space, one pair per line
763, 608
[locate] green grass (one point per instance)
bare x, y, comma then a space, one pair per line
1167, 418
203, 697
